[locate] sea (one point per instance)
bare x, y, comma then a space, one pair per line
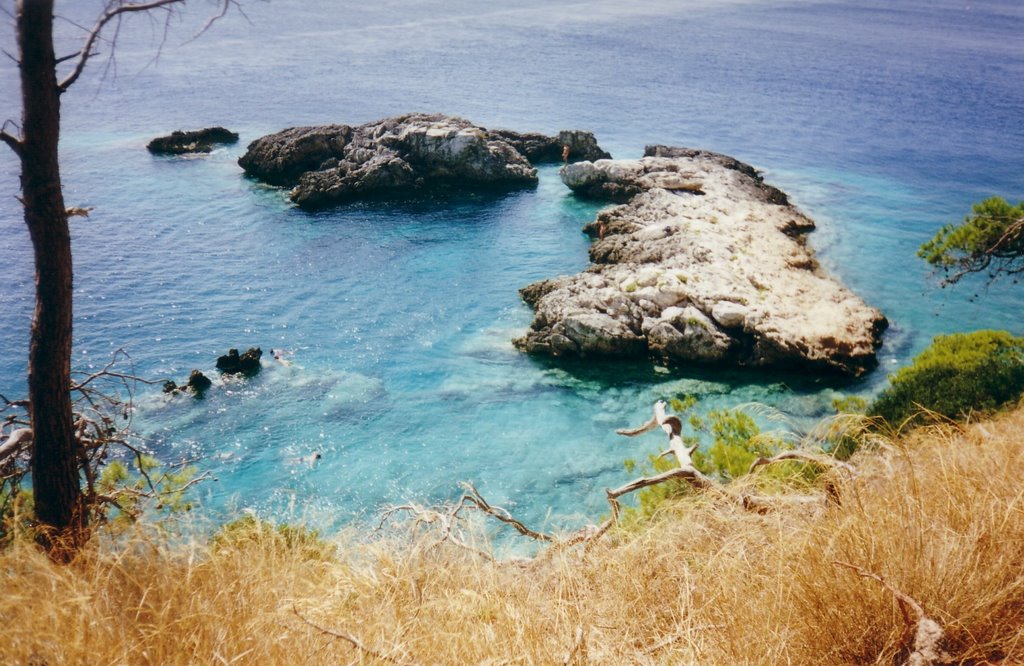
882, 119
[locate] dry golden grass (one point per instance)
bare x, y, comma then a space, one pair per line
940, 517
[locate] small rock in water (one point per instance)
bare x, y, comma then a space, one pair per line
197, 384
197, 141
247, 364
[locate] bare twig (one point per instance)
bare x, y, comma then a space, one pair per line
225, 6
447, 521
113, 11
351, 640
473, 496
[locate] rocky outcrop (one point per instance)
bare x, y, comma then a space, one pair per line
399, 156
197, 384
247, 364
197, 141
541, 148
705, 263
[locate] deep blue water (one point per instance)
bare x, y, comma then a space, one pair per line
883, 120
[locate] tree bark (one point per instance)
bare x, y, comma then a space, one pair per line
55, 479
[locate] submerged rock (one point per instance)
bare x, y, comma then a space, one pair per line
197, 141
399, 156
705, 263
246, 364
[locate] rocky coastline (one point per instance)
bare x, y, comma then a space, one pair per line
401, 156
704, 262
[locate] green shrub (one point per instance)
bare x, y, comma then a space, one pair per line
955, 375
252, 532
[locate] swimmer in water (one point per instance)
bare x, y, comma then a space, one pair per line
279, 357
310, 460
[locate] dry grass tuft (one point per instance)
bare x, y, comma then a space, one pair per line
939, 516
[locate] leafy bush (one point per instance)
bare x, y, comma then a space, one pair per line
955, 375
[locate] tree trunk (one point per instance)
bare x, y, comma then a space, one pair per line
55, 479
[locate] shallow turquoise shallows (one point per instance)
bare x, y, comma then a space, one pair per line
882, 120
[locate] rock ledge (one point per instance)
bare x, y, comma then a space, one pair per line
704, 263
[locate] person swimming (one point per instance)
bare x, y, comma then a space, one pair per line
279, 357
310, 460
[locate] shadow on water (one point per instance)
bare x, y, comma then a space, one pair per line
625, 373
405, 202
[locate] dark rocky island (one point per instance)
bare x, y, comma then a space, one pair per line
197, 141
403, 155
704, 263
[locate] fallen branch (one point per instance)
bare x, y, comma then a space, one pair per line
473, 496
352, 640
928, 634
446, 520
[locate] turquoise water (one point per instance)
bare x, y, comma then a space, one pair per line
882, 120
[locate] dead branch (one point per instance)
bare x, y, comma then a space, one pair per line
928, 634
113, 11
78, 211
225, 6
673, 427
446, 520
12, 142
803, 456
473, 496
351, 640
16, 441
13, 403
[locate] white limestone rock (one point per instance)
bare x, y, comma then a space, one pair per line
705, 263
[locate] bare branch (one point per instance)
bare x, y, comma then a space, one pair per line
351, 640
113, 11
17, 440
225, 6
14, 403
928, 634
448, 521
13, 142
689, 474
473, 496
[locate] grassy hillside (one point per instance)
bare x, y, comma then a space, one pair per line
938, 516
